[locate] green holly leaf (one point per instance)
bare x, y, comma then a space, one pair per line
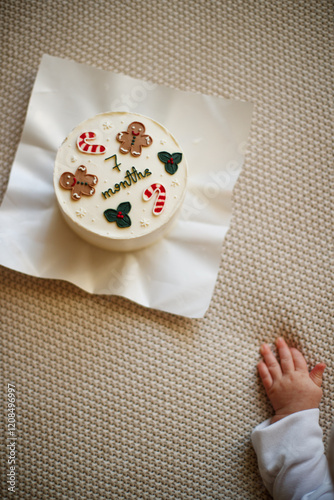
171, 168
164, 156
110, 214
124, 207
123, 222
177, 157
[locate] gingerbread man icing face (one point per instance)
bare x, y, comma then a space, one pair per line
80, 182
134, 139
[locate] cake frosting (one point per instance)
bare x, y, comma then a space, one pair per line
120, 179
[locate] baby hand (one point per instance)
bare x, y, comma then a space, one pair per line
289, 385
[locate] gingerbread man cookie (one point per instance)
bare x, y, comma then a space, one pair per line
134, 139
80, 182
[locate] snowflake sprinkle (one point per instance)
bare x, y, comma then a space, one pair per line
81, 212
107, 125
144, 222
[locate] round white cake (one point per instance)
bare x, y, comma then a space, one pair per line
120, 179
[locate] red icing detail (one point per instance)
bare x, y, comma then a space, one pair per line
133, 133
74, 181
120, 215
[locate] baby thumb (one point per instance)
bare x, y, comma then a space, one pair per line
317, 373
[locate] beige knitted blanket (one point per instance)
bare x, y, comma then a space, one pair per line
115, 401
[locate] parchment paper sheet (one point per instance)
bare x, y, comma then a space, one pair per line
178, 273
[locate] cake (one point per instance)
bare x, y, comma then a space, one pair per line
120, 180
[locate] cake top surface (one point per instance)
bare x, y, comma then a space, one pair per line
120, 175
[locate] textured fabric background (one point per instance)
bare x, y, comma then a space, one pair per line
115, 401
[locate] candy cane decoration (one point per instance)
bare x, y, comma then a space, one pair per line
85, 147
161, 197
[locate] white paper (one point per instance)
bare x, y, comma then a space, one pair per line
175, 275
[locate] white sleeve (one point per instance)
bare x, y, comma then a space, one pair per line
291, 456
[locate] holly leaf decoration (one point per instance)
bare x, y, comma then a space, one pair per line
124, 207
110, 214
171, 161
120, 215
